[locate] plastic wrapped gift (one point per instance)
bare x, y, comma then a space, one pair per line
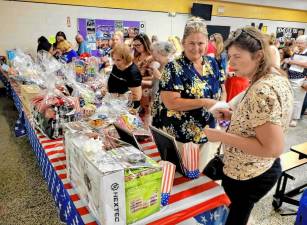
91, 66
28, 72
85, 68
168, 170
190, 158
28, 92
51, 112
52, 109
48, 63
81, 75
132, 123
88, 89
121, 185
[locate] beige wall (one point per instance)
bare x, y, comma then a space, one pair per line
22, 23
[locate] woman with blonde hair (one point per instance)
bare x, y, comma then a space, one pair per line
255, 138
67, 53
273, 49
220, 56
189, 86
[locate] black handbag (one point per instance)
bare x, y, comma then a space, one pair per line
214, 168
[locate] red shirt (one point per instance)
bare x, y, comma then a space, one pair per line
211, 49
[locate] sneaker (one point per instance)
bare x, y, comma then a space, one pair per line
293, 123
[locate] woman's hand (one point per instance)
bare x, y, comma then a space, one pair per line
223, 114
213, 135
304, 85
104, 90
154, 73
287, 60
208, 102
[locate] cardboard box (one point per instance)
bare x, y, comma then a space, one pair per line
28, 92
122, 185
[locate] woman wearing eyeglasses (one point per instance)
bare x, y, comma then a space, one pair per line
143, 59
189, 86
255, 138
125, 75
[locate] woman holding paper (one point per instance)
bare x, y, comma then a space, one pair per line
255, 138
297, 74
189, 86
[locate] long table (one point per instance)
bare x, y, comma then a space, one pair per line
199, 201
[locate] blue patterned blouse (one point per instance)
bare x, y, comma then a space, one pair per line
181, 76
297, 75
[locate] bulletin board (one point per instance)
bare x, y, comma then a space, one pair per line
288, 33
94, 29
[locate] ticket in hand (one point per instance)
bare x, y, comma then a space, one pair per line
218, 105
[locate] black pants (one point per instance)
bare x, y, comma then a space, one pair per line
244, 194
304, 105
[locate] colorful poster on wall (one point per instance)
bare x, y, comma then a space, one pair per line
288, 33
98, 32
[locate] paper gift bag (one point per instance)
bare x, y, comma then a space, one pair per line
168, 170
190, 158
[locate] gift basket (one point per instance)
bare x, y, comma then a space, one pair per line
86, 68
53, 108
28, 72
49, 64
85, 83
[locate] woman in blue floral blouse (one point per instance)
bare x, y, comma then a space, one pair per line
189, 86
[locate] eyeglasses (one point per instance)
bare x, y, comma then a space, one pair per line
136, 45
235, 35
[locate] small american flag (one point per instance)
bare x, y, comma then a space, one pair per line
190, 156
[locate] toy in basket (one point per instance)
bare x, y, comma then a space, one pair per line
80, 71
91, 66
85, 69
51, 112
133, 124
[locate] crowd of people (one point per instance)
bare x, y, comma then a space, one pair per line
174, 91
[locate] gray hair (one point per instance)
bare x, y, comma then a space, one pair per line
195, 25
164, 48
302, 38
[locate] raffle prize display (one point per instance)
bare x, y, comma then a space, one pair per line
119, 183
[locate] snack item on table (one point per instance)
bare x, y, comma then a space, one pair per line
92, 135
133, 111
89, 109
96, 123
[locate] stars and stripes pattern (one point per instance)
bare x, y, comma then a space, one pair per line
190, 158
20, 129
168, 170
187, 200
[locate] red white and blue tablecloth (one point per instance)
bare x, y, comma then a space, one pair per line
199, 201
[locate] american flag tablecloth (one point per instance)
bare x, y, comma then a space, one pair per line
199, 201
